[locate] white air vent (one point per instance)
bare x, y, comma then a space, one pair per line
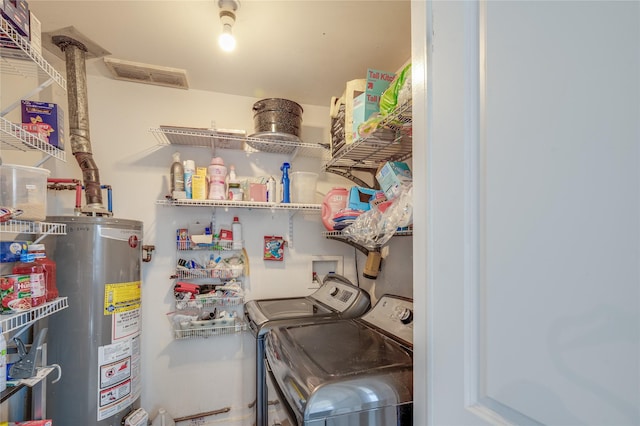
147, 74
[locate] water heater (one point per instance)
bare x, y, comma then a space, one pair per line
96, 340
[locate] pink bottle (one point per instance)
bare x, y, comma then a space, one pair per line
217, 178
333, 202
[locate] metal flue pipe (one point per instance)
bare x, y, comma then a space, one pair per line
75, 54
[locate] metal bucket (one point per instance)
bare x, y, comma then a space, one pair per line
277, 116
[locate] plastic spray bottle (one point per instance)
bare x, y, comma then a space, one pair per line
285, 183
189, 171
177, 174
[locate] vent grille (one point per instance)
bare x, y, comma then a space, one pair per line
147, 74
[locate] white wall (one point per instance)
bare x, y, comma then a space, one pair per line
199, 375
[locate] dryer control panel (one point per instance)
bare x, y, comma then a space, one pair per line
341, 297
394, 315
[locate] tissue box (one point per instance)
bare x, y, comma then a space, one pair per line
392, 176
39, 117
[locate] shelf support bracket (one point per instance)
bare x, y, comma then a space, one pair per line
290, 234
360, 247
346, 173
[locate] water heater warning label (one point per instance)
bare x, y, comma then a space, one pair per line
121, 297
120, 385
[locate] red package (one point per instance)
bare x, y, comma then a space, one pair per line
36, 423
274, 248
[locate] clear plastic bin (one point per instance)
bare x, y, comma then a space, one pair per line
24, 188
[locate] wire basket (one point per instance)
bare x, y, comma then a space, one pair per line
207, 328
224, 272
205, 301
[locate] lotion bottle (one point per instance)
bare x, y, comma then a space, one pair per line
177, 174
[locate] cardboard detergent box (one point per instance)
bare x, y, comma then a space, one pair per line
44, 119
392, 176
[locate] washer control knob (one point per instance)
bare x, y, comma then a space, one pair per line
406, 316
333, 291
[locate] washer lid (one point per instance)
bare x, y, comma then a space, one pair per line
267, 313
339, 367
341, 348
291, 308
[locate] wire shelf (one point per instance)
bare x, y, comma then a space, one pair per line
15, 321
38, 228
235, 139
391, 142
18, 58
15, 137
241, 204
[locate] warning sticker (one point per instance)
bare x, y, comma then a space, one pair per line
125, 324
116, 372
121, 297
119, 369
114, 394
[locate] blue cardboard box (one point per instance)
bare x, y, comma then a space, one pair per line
392, 177
368, 102
10, 250
44, 119
17, 13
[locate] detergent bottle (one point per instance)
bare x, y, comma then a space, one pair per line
333, 202
285, 183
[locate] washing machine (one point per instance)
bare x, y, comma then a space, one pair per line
337, 298
353, 372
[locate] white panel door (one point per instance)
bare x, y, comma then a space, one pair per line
532, 213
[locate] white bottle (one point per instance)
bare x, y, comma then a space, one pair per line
163, 419
3, 361
232, 174
189, 170
217, 175
236, 230
271, 190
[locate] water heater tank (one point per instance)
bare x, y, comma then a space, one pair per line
96, 340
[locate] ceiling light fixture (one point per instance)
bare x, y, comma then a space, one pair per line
228, 10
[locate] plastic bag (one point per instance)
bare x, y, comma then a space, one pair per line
389, 98
375, 227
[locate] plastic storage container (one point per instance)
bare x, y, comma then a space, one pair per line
303, 187
24, 188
